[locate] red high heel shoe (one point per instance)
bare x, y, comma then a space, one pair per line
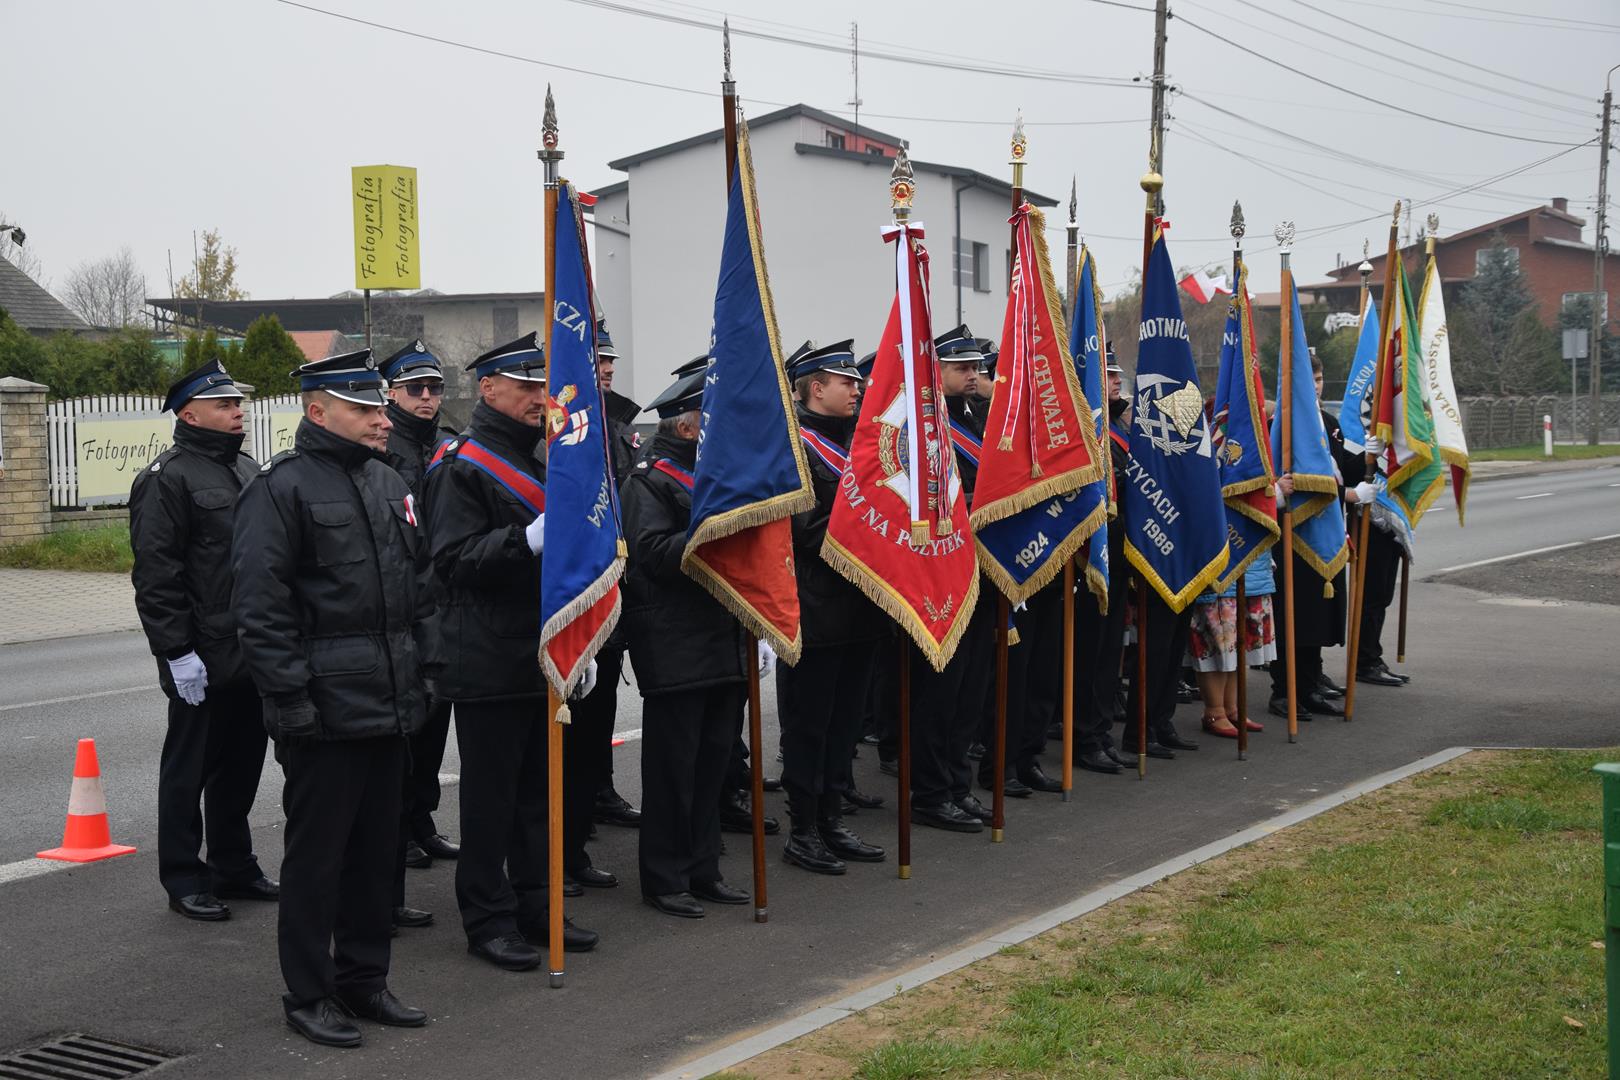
1222, 730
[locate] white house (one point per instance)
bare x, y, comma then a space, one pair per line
823, 196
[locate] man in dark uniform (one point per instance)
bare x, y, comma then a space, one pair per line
1389, 540
415, 393
688, 652
827, 688
946, 706
181, 510
1099, 637
333, 620
590, 736
486, 529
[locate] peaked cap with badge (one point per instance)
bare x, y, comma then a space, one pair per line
349, 376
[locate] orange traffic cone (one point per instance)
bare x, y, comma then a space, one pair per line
86, 837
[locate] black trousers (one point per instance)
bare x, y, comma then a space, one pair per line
947, 708
686, 743
1166, 644
422, 781
1035, 688
1384, 557
208, 776
588, 756
1307, 668
342, 805
828, 691
1098, 642
502, 874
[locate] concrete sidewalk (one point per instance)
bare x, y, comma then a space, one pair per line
39, 604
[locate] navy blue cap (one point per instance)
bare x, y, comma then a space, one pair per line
958, 346
350, 376
523, 359
684, 395
868, 362
697, 363
414, 361
991, 353
1113, 361
604, 342
208, 381
837, 358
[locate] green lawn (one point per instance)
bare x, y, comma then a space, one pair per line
105, 548
1576, 452
1442, 928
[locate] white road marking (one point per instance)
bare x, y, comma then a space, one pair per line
74, 697
1521, 498
1515, 555
27, 868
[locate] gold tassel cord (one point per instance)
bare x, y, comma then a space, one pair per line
919, 533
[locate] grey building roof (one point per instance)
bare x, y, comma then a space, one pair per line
319, 313
717, 134
31, 306
973, 177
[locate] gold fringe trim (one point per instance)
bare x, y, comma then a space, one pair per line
561, 682
1061, 552
1200, 581
919, 533
1012, 636
1098, 586
1329, 569
897, 608
1415, 509
1232, 573
1458, 459
1053, 487
717, 586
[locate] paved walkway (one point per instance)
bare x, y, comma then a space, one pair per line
38, 604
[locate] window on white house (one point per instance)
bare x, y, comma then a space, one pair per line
835, 140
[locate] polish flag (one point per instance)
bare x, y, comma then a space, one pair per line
1203, 288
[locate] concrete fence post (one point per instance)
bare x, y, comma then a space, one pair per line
25, 497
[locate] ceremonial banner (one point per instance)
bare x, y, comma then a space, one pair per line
1355, 411
1442, 393
579, 576
899, 525
1040, 441
1416, 475
1319, 536
387, 248
1088, 345
751, 475
1242, 451
1171, 510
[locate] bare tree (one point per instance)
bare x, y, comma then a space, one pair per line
107, 292
23, 258
213, 272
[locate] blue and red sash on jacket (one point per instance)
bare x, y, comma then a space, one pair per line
967, 444
669, 468
831, 454
528, 491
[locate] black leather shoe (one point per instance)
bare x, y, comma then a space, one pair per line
204, 907
737, 815
415, 857
572, 888
260, 888
1316, 703
1097, 761
594, 877
889, 766
771, 783
1171, 739
575, 938
1012, 787
679, 904
948, 816
718, 892
323, 1023
1163, 753
412, 917
383, 1008
863, 800
977, 750
1036, 779
1379, 676
612, 809
1328, 688
1125, 759
843, 842
439, 846
805, 848
1278, 707
972, 807
510, 952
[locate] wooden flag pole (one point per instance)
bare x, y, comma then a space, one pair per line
1386, 307
1237, 230
904, 794
1068, 565
1353, 527
550, 155
1152, 183
1285, 512
756, 749
1400, 647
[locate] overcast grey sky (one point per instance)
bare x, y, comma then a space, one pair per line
139, 123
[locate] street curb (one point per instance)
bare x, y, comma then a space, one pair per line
1545, 468
890, 986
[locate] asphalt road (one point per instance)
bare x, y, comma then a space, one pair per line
93, 949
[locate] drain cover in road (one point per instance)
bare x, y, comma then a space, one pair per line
81, 1057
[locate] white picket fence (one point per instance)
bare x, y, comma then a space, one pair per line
62, 417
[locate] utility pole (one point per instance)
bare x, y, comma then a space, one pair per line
1161, 15
855, 68
1600, 252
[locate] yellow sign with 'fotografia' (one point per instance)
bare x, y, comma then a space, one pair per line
109, 449
386, 245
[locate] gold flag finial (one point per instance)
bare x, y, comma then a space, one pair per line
1020, 145
1152, 181
725, 39
1237, 226
1074, 201
548, 123
902, 185
1395, 218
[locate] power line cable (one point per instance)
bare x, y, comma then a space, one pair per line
1408, 10
1614, 27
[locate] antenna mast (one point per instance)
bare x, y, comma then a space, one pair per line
855, 68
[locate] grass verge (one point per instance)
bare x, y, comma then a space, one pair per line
1577, 452
105, 549
1447, 926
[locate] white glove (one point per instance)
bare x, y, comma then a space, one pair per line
767, 659
190, 678
535, 531
1374, 445
587, 684
1365, 493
